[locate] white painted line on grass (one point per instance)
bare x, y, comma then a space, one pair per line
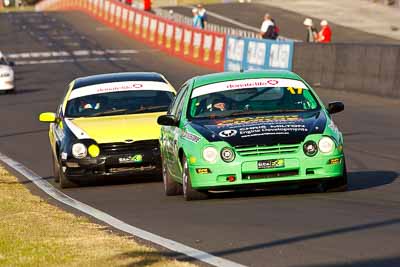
114, 222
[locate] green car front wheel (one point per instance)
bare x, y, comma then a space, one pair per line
188, 192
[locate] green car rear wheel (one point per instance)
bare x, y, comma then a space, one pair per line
171, 187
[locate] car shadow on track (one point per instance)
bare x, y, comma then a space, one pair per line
358, 180
111, 181
152, 257
361, 180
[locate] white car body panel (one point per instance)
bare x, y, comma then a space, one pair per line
6, 78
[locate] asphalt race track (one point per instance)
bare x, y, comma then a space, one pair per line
360, 227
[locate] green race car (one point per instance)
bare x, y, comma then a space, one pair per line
249, 129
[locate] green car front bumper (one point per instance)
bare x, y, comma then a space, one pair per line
244, 171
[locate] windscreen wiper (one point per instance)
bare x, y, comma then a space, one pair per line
110, 112
250, 112
144, 109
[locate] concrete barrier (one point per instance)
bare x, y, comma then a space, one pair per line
365, 68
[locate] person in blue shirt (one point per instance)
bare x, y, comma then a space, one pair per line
203, 15
196, 18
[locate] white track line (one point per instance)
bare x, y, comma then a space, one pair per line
78, 53
57, 61
114, 222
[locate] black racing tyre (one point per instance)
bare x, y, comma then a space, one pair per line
64, 181
56, 169
338, 184
188, 192
171, 187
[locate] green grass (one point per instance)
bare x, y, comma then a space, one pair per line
35, 233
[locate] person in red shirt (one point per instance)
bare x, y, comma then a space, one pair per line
325, 34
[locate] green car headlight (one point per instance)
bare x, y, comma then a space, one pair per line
326, 145
227, 154
79, 150
210, 154
310, 148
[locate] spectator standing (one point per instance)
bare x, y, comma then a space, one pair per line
312, 33
202, 15
325, 34
196, 18
269, 30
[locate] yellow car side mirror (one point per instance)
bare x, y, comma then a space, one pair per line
48, 117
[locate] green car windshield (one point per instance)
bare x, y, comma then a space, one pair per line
247, 101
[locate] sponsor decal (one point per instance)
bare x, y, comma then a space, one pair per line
248, 83
252, 120
228, 133
262, 130
270, 164
118, 87
78, 132
203, 170
294, 91
333, 127
263, 126
131, 159
191, 137
58, 132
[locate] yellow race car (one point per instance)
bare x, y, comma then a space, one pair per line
106, 125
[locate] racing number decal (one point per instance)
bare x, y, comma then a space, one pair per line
293, 92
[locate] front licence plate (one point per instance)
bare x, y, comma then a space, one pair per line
131, 159
271, 163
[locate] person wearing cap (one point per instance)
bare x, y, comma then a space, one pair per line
325, 34
312, 33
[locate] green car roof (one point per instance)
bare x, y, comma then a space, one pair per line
230, 76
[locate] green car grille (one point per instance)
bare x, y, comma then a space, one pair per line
265, 175
266, 150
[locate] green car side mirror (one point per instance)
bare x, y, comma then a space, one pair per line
335, 107
167, 120
48, 117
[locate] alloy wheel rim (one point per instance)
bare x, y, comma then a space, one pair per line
185, 179
164, 177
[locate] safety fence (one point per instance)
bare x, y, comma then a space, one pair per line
198, 46
210, 26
